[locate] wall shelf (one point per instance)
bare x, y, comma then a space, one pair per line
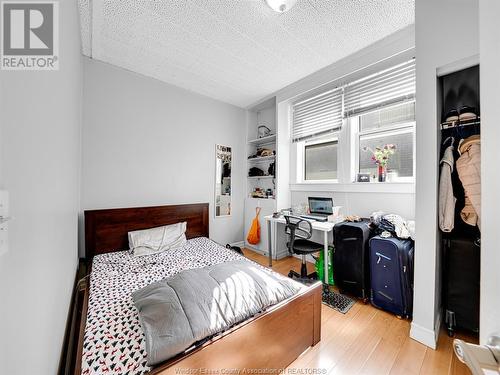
262, 159
263, 141
259, 177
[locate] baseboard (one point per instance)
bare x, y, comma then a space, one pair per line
239, 244
423, 335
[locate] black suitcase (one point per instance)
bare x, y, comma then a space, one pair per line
461, 272
391, 275
350, 258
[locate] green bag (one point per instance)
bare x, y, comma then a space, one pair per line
320, 266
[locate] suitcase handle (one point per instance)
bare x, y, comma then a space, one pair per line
380, 256
386, 296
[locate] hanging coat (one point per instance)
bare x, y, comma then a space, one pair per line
469, 171
447, 200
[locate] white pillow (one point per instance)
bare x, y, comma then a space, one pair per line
156, 240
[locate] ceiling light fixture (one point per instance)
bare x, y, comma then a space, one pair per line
281, 6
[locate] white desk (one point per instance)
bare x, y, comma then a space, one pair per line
322, 226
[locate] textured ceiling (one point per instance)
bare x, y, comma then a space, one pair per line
237, 51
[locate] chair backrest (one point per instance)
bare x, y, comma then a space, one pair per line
296, 227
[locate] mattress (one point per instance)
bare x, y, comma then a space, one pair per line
114, 341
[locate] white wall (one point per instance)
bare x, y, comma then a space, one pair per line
149, 143
440, 40
489, 14
40, 148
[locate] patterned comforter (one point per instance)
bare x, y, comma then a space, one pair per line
114, 341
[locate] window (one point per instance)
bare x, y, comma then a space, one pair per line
320, 161
392, 125
331, 129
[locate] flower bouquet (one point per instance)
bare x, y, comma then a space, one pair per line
380, 156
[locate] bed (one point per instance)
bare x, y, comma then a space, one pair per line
111, 340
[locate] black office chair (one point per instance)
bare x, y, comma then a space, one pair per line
300, 231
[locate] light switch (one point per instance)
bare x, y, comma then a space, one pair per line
4, 240
4, 217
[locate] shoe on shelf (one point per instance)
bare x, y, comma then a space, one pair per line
467, 113
451, 115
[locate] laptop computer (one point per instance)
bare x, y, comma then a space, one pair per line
319, 208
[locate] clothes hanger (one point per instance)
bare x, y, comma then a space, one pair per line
449, 138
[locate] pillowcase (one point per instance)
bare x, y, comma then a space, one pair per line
156, 240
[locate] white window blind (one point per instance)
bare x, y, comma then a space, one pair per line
390, 86
318, 115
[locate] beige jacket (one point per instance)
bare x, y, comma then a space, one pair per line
469, 171
446, 198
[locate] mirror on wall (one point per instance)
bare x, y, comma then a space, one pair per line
222, 180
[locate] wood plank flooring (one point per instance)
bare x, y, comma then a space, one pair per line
368, 341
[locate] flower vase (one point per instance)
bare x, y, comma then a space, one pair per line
382, 173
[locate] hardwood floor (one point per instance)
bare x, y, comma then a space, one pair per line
368, 341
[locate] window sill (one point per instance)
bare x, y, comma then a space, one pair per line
357, 187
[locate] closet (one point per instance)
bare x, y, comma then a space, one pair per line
459, 198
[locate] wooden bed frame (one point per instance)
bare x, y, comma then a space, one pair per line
268, 342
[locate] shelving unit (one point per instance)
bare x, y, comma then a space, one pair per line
261, 114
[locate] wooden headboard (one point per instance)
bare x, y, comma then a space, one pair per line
107, 230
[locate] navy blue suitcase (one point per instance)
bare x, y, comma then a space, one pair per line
391, 272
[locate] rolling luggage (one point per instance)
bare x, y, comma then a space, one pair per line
461, 284
391, 270
350, 258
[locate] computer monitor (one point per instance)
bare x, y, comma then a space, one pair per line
318, 205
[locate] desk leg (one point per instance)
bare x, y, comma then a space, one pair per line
270, 234
325, 255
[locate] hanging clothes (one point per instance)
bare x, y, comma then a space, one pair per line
469, 172
447, 199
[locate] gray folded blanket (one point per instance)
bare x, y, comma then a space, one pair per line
194, 304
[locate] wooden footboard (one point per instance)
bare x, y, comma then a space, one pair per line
267, 343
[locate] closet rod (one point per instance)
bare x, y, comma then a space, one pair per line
455, 124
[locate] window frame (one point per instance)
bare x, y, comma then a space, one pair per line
302, 157
348, 142
407, 127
